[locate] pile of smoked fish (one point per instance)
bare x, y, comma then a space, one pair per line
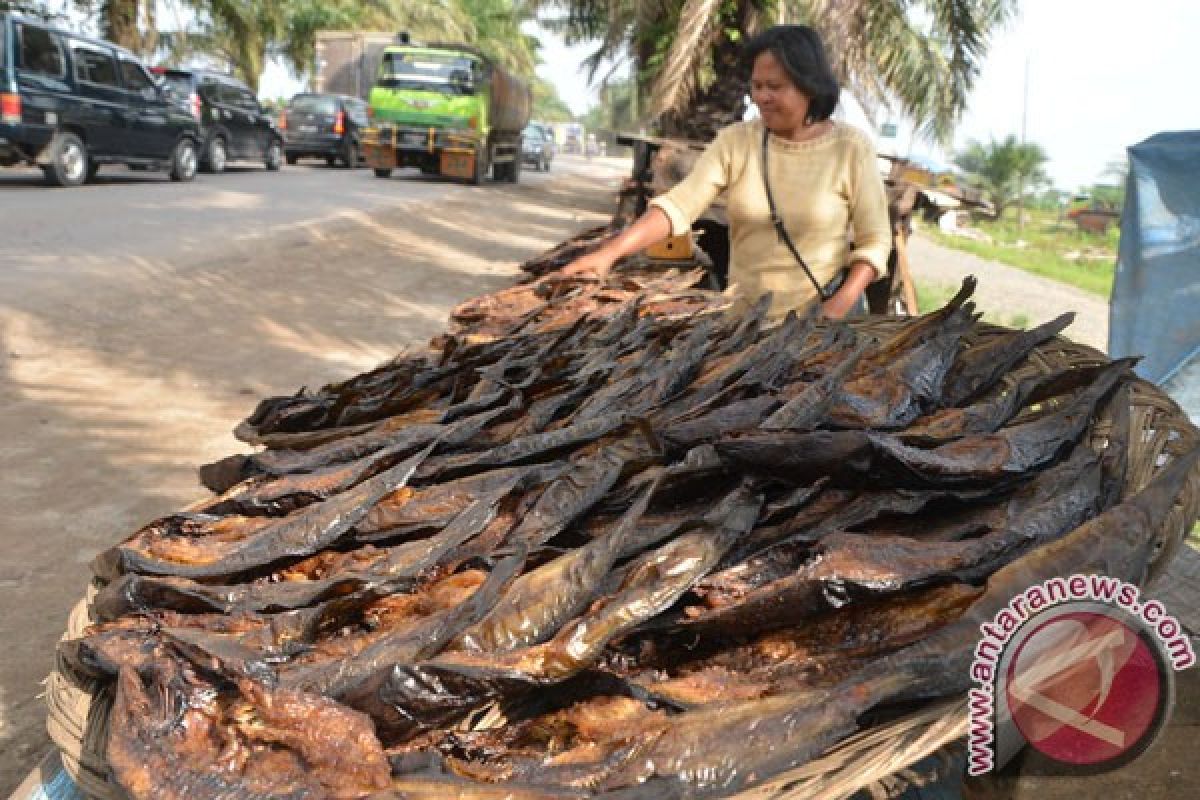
605, 540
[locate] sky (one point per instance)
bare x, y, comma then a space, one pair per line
1103, 75
562, 67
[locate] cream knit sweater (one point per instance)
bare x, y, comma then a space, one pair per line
826, 189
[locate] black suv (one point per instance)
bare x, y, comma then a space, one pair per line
236, 128
324, 126
70, 104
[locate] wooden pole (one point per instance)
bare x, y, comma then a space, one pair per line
908, 291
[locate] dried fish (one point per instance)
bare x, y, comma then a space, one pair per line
603, 540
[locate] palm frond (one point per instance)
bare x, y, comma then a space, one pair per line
926, 62
677, 80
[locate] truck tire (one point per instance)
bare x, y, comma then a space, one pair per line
513, 173
506, 171
481, 166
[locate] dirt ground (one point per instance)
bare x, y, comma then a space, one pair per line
115, 387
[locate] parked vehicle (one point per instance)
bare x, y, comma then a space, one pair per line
235, 127
537, 148
325, 126
572, 133
70, 105
448, 110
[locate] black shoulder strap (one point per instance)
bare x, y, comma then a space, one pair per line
781, 231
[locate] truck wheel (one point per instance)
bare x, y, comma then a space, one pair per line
383, 172
481, 166
68, 161
350, 155
514, 170
292, 159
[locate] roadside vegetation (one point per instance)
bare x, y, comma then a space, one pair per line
1030, 228
1046, 245
932, 296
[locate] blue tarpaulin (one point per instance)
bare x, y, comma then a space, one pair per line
1155, 309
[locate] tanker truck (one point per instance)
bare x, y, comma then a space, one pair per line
448, 110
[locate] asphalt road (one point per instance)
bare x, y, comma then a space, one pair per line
128, 213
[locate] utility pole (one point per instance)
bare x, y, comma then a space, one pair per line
1021, 175
1025, 101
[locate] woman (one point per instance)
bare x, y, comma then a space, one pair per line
823, 179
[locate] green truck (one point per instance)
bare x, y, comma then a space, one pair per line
448, 110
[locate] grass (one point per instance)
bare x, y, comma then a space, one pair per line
1047, 242
931, 296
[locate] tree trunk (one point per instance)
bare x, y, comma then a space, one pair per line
724, 102
1021, 204
119, 23
250, 65
149, 39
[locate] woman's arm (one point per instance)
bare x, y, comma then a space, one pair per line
650, 228
838, 306
872, 235
670, 213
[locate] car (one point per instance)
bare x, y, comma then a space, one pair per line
72, 104
235, 126
537, 147
324, 126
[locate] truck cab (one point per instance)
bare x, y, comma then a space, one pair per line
447, 110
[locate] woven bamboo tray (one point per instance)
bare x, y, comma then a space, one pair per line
875, 758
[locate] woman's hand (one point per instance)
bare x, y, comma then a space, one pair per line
598, 263
651, 227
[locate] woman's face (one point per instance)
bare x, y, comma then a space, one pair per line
784, 108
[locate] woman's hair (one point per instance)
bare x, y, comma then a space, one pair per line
799, 51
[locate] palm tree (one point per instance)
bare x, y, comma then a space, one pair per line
925, 54
30, 8
497, 32
129, 23
243, 32
922, 55
1003, 169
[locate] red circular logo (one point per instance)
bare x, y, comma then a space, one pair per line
1085, 688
